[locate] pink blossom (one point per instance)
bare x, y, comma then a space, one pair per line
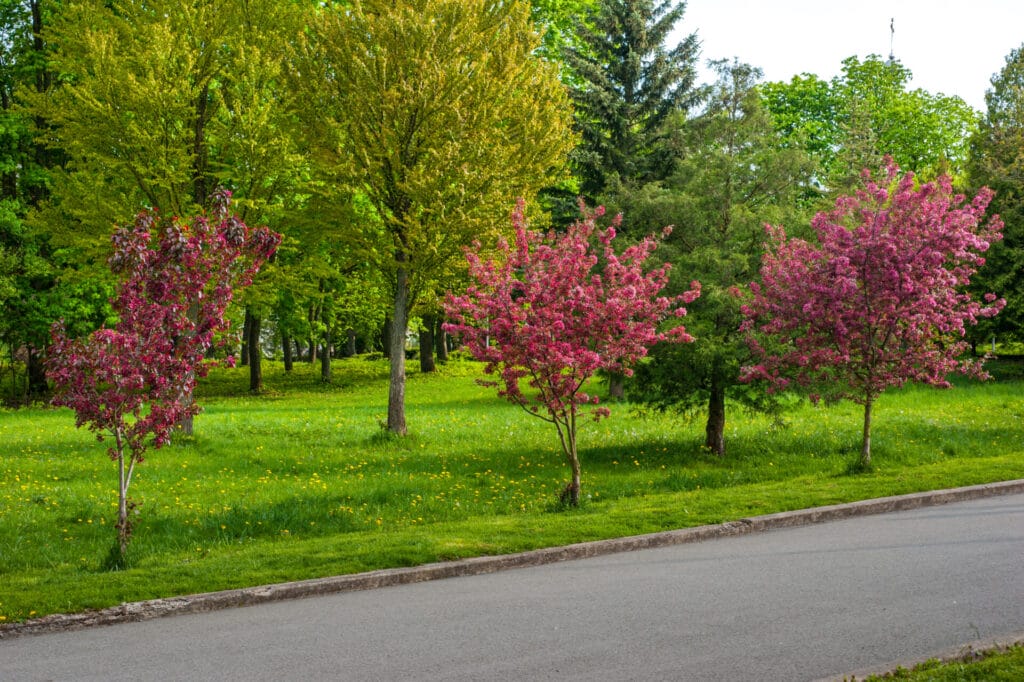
134, 383
879, 300
544, 310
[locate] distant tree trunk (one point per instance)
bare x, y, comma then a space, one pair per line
246, 333
325, 358
286, 348
386, 344
311, 315
350, 342
427, 344
715, 429
37, 385
441, 341
396, 347
255, 353
616, 386
298, 350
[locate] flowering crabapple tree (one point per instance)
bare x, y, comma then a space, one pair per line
879, 301
133, 383
554, 309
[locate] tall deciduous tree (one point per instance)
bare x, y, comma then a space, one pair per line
880, 299
554, 309
133, 383
628, 86
997, 161
440, 114
867, 113
735, 175
159, 103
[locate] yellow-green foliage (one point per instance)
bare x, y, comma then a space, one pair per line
441, 115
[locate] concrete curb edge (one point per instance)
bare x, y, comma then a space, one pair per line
209, 601
961, 653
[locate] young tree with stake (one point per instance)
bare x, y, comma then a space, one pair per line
879, 301
554, 309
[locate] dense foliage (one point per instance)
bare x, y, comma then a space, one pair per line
997, 161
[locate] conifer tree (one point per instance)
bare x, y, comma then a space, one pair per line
997, 161
627, 88
735, 176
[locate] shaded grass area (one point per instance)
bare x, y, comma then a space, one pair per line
302, 482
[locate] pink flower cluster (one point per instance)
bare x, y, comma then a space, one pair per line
554, 309
136, 380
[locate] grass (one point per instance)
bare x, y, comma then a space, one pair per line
998, 665
303, 482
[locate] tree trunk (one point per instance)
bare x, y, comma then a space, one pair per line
311, 315
427, 345
298, 350
571, 494
246, 333
123, 528
286, 348
200, 191
255, 354
386, 342
396, 348
350, 342
325, 358
36, 370
865, 448
616, 386
715, 431
441, 341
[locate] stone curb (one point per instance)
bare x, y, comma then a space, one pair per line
209, 601
963, 653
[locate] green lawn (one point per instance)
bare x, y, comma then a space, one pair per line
302, 482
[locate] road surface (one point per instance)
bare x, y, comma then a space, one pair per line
788, 604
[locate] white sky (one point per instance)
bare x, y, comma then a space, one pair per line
952, 47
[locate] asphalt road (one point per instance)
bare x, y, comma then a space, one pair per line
789, 604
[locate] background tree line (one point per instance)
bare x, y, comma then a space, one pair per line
380, 145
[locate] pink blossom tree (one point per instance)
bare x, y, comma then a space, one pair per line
554, 309
879, 300
134, 383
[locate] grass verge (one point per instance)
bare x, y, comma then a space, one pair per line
302, 482
996, 665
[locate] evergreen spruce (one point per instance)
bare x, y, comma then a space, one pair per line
997, 161
627, 88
